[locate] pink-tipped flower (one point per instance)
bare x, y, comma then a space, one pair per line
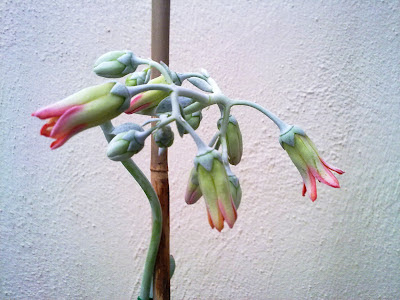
214, 186
305, 157
87, 108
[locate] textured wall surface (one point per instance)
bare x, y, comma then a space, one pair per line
74, 225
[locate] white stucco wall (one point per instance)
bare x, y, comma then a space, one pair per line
75, 226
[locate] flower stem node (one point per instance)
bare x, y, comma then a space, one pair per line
87, 108
164, 137
233, 140
305, 157
115, 64
214, 186
125, 144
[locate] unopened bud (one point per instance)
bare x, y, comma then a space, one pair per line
125, 144
193, 192
138, 78
194, 119
236, 190
115, 64
233, 140
164, 137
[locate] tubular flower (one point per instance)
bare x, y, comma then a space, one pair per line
149, 99
305, 157
87, 108
214, 186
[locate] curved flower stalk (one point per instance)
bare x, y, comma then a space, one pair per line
305, 157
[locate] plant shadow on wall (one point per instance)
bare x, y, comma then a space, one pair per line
164, 98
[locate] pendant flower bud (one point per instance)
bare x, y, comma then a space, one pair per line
87, 108
115, 64
305, 157
138, 78
164, 137
233, 140
193, 192
194, 119
214, 186
125, 144
149, 99
236, 190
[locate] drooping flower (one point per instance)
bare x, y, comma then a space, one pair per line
87, 108
305, 157
214, 186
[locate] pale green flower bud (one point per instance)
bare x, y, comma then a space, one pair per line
194, 119
138, 78
236, 190
115, 64
233, 140
125, 144
164, 137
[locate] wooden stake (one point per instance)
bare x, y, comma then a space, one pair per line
159, 164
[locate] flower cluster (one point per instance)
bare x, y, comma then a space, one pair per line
211, 177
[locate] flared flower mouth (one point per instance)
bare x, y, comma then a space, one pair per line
57, 125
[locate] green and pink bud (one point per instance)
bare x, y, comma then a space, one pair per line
305, 157
87, 108
214, 186
193, 192
149, 99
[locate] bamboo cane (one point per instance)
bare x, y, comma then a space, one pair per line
159, 164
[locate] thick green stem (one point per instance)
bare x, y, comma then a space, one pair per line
146, 186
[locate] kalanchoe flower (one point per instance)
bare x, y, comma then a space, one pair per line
214, 186
149, 99
87, 108
193, 192
138, 78
233, 140
164, 137
115, 64
305, 157
125, 144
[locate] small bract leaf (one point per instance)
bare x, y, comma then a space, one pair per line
201, 84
